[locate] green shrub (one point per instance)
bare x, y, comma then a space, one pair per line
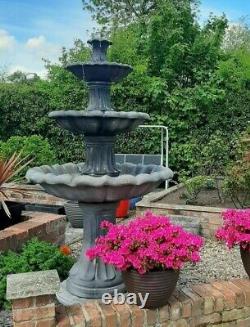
237, 180
195, 185
35, 256
33, 146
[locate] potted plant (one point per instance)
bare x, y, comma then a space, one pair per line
74, 214
10, 212
236, 232
150, 251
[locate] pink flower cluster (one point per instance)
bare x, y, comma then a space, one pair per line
235, 229
147, 243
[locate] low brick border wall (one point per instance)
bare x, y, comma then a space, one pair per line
33, 303
220, 303
208, 217
31, 194
45, 226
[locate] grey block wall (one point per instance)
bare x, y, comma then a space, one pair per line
146, 159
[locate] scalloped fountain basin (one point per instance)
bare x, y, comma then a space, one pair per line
102, 71
109, 123
65, 181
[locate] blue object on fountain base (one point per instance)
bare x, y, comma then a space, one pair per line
133, 201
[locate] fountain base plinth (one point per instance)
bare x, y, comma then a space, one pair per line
91, 279
68, 299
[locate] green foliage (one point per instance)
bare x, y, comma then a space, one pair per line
21, 77
237, 180
195, 185
124, 12
34, 256
184, 77
216, 154
35, 147
24, 111
112, 11
41, 255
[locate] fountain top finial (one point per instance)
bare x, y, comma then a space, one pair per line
100, 47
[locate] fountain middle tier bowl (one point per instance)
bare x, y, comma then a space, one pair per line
109, 72
96, 122
65, 181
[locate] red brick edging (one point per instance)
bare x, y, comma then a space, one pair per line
219, 303
46, 226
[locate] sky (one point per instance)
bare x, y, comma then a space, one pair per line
31, 29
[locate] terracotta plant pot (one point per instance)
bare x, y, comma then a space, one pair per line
159, 284
74, 214
245, 256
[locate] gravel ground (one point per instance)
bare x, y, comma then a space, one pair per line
218, 263
5, 318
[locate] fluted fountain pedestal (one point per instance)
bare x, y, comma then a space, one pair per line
91, 279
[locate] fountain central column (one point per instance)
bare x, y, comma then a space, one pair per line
99, 96
100, 157
90, 279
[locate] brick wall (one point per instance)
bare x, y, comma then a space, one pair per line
33, 194
45, 226
33, 303
209, 221
219, 304
209, 218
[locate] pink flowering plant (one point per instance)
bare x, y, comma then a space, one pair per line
148, 243
235, 229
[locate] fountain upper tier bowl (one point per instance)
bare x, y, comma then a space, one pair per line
96, 122
109, 72
65, 181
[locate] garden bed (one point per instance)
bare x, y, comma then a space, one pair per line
34, 198
167, 202
206, 198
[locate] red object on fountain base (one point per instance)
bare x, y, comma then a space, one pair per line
122, 209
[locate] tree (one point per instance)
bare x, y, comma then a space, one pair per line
126, 11
21, 77
237, 36
119, 12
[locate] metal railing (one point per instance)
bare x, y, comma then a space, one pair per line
164, 144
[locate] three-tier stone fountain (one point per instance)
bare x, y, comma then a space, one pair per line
99, 183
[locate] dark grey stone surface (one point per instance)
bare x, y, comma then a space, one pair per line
97, 122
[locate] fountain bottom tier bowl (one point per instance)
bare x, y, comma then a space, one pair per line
98, 198
67, 182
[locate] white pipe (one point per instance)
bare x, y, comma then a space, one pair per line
163, 129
